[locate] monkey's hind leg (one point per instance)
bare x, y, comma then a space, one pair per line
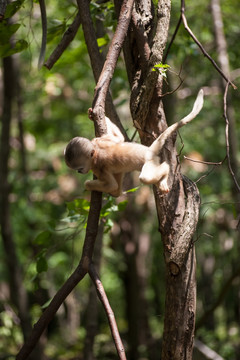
155, 173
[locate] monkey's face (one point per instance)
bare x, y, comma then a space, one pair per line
82, 164
78, 155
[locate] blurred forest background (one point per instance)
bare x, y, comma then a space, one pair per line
48, 206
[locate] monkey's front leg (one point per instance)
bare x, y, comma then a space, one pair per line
107, 184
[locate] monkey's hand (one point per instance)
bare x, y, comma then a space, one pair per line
90, 113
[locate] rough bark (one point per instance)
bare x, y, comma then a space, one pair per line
178, 210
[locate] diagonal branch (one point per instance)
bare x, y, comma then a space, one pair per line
73, 280
110, 64
184, 19
96, 58
68, 36
111, 318
205, 53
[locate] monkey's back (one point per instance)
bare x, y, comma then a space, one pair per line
120, 157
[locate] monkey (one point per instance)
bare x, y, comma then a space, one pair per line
110, 157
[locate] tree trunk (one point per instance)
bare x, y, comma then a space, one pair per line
17, 291
178, 210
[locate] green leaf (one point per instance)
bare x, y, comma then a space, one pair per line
55, 28
78, 206
43, 238
102, 41
6, 31
108, 225
161, 68
12, 8
133, 189
122, 205
8, 49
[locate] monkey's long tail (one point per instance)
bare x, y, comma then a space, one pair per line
159, 142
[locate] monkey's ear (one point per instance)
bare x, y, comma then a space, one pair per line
92, 153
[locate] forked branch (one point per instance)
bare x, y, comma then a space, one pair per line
205, 53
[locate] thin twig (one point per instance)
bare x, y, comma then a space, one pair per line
184, 19
227, 137
172, 39
204, 162
205, 175
111, 318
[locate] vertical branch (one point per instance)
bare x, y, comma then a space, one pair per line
96, 58
227, 138
110, 64
17, 290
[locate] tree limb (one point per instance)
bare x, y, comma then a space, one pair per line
184, 19
72, 281
68, 36
227, 138
110, 64
96, 58
111, 318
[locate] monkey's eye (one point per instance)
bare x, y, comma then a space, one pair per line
80, 170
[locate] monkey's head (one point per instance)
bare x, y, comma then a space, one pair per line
78, 154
